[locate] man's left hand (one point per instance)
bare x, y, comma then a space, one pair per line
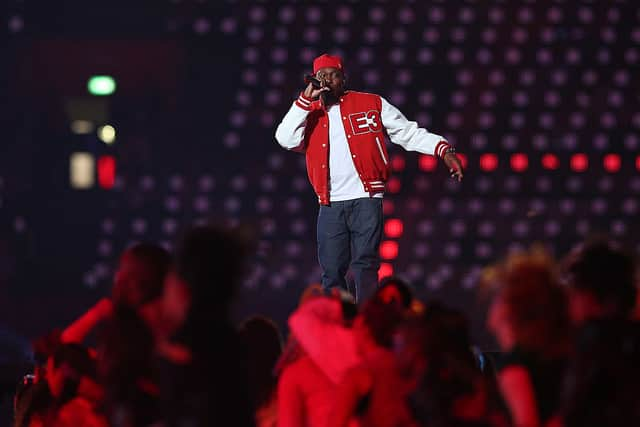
455, 166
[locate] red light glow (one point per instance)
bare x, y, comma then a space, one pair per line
427, 163
579, 162
519, 162
387, 207
612, 163
385, 270
107, 172
389, 249
397, 163
550, 161
394, 185
488, 162
393, 228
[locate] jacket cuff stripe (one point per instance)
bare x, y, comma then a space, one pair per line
303, 101
304, 98
305, 105
441, 148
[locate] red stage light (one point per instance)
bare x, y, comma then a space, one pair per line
393, 228
550, 161
579, 162
394, 185
387, 207
612, 163
638, 163
107, 172
427, 163
389, 249
385, 270
519, 162
488, 162
397, 163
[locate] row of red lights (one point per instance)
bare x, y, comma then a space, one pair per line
393, 229
519, 162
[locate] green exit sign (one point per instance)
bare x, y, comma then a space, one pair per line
101, 85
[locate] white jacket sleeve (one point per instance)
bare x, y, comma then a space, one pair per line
408, 134
290, 131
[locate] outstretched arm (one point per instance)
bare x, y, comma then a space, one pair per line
517, 389
408, 134
77, 331
411, 137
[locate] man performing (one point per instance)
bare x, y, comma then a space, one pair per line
342, 133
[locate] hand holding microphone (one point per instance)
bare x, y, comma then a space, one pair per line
314, 87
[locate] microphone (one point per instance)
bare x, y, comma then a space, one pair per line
310, 79
317, 84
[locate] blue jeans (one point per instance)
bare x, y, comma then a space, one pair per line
349, 235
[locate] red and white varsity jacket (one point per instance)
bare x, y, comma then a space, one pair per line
366, 118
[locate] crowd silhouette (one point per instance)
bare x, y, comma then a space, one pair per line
168, 354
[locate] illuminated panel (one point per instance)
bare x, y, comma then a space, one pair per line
81, 127
106, 172
81, 171
107, 134
101, 85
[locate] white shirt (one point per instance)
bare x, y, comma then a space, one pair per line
344, 182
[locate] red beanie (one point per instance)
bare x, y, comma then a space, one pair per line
326, 60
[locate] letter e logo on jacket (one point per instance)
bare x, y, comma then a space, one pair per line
365, 122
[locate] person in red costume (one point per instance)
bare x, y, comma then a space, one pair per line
347, 375
343, 133
307, 379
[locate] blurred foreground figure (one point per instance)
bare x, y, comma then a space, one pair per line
603, 383
137, 286
528, 316
122, 386
263, 343
308, 380
372, 392
74, 397
448, 389
202, 369
126, 347
394, 290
